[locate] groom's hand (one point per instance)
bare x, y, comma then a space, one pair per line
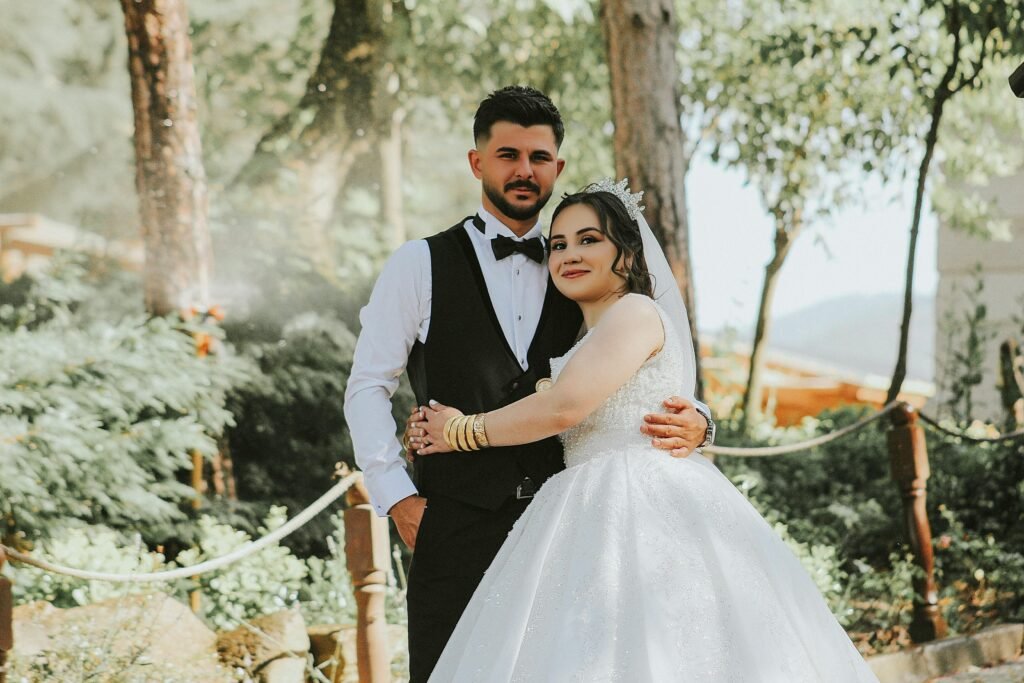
679, 431
436, 416
413, 433
408, 513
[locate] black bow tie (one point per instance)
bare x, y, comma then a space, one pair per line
532, 248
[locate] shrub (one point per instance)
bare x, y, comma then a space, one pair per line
841, 496
98, 415
290, 429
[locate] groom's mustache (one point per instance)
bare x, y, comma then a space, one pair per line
524, 184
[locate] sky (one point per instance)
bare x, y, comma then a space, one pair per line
862, 250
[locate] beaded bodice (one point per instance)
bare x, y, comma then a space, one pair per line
615, 425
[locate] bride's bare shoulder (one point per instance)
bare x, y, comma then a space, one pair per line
634, 313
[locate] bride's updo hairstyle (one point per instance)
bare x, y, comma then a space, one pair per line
622, 231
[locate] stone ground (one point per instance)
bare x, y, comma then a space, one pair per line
1007, 673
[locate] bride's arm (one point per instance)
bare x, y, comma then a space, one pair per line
628, 334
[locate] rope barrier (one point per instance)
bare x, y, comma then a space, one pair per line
342, 486
285, 529
934, 424
765, 451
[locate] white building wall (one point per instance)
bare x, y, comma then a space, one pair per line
1002, 270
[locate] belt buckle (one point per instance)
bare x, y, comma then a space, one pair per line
526, 490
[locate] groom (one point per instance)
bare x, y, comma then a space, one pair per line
471, 315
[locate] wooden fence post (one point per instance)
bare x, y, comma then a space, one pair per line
1011, 374
367, 553
6, 619
908, 460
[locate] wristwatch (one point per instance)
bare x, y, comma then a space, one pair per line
709, 433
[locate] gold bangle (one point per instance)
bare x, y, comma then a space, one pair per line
458, 434
466, 433
462, 434
448, 436
471, 433
480, 431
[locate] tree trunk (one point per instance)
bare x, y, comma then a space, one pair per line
169, 176
752, 396
390, 118
304, 160
899, 373
641, 38
392, 205
942, 94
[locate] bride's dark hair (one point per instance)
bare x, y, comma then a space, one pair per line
622, 231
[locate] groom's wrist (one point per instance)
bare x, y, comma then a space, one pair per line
710, 429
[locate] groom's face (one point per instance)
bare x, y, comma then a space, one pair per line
517, 167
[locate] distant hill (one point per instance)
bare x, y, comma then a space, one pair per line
860, 333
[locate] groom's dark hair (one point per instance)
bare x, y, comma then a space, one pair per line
518, 104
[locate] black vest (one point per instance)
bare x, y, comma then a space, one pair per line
466, 363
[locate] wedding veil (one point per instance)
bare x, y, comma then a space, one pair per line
666, 290
668, 296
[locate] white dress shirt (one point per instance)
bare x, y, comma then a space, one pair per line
397, 315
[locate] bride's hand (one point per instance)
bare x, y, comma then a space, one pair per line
436, 417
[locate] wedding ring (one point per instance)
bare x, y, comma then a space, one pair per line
544, 384
406, 442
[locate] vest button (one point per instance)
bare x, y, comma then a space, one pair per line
515, 385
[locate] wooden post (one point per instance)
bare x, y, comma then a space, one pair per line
6, 619
908, 460
366, 552
1011, 374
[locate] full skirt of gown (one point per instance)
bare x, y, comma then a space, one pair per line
637, 567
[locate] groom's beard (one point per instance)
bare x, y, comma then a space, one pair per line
518, 213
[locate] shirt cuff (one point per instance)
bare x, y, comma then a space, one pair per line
703, 409
388, 488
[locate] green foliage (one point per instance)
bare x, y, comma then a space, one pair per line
840, 501
290, 431
90, 548
266, 582
988, 570
98, 416
263, 583
789, 94
326, 594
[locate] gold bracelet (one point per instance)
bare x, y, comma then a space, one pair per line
448, 435
462, 435
480, 431
470, 434
458, 435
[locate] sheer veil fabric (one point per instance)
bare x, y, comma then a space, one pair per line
668, 296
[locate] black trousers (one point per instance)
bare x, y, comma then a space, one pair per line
455, 545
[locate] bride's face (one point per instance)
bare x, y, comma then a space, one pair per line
582, 257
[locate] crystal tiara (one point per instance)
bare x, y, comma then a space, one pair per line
621, 190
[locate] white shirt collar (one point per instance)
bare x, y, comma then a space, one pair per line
494, 227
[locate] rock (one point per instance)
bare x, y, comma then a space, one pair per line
151, 631
345, 639
924, 662
263, 640
284, 670
31, 635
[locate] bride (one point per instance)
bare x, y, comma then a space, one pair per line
629, 566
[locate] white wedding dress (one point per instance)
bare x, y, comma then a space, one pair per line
634, 566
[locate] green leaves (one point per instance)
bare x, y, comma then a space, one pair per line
97, 417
